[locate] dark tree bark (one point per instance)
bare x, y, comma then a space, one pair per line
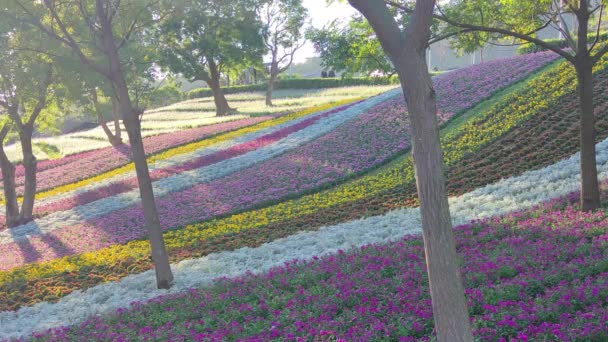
221, 104
164, 276
590, 195
271, 80
29, 165
408, 55
114, 138
590, 190
8, 181
14, 215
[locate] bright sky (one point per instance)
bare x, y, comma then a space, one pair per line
320, 15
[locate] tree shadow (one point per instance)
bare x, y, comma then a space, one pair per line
29, 252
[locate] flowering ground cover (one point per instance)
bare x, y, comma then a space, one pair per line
197, 113
119, 172
517, 193
125, 184
519, 287
307, 213
181, 206
85, 164
457, 91
377, 137
451, 86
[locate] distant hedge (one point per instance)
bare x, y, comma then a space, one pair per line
299, 83
561, 43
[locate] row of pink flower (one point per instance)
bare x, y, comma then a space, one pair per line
538, 275
131, 183
83, 165
355, 147
463, 88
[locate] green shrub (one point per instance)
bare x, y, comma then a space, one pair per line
300, 83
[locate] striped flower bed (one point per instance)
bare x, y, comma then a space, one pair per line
201, 239
515, 194
94, 225
179, 163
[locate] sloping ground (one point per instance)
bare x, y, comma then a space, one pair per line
519, 287
49, 280
512, 194
87, 269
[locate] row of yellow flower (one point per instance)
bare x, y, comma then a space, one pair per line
494, 120
192, 147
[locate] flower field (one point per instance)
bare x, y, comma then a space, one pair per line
317, 170
380, 291
198, 113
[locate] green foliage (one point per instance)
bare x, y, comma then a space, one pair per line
30, 82
165, 95
224, 33
350, 49
300, 83
518, 16
282, 31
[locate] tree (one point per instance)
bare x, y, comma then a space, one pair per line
26, 89
351, 49
522, 20
282, 29
407, 51
96, 32
206, 38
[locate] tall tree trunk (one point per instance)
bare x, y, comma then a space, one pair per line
164, 276
445, 282
590, 194
114, 139
407, 52
29, 165
116, 116
590, 190
270, 89
221, 104
8, 182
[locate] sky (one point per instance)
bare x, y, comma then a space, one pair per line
320, 15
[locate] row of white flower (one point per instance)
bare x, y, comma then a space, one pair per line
183, 158
189, 178
507, 195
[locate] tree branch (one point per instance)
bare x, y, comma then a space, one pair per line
67, 40
42, 97
448, 35
505, 32
597, 31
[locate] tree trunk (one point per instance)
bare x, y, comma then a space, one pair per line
114, 139
164, 276
590, 190
221, 104
269, 90
29, 165
8, 181
445, 282
590, 194
407, 52
116, 116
